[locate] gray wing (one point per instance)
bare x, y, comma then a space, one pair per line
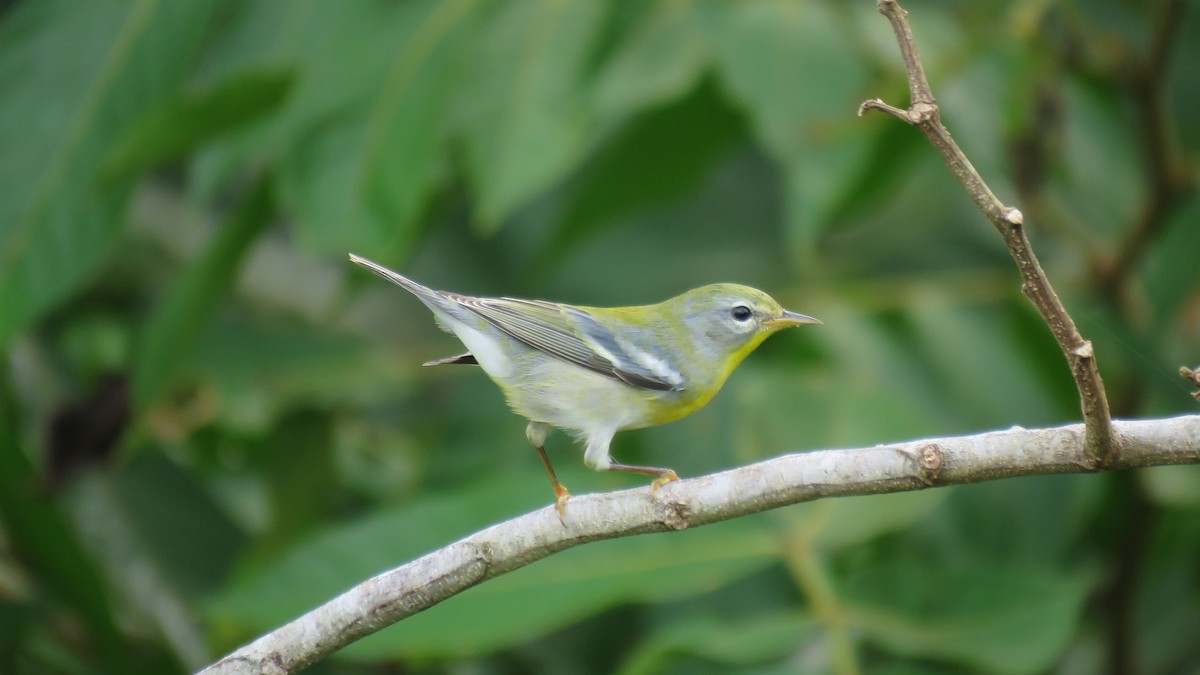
573, 335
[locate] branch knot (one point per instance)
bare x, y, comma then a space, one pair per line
930, 459
675, 514
922, 111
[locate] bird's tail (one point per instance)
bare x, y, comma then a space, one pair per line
434, 299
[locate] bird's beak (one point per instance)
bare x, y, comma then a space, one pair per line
790, 319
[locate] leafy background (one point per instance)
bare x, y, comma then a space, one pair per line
210, 422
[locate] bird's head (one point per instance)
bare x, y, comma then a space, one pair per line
728, 321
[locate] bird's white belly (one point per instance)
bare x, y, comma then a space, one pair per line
576, 399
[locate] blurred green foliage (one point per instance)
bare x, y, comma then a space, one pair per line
210, 422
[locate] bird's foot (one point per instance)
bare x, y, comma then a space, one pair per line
667, 476
560, 502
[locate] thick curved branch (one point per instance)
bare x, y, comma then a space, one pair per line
426, 581
924, 114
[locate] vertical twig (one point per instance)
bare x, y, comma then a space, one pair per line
923, 113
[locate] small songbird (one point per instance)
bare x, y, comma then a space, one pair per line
594, 371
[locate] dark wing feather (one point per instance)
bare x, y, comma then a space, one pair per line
466, 359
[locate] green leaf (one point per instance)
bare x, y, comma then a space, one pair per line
360, 141
779, 409
358, 175
886, 167
162, 541
1172, 486
405, 132
508, 610
972, 101
74, 76
524, 108
188, 307
876, 373
965, 346
1171, 274
747, 642
258, 369
786, 64
784, 61
1006, 520
576, 584
1100, 181
1003, 619
41, 534
343, 555
298, 460
176, 523
660, 60
657, 157
1166, 609
259, 37
840, 523
181, 125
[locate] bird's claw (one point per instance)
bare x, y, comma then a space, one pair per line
667, 477
560, 502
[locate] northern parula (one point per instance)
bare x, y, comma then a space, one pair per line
594, 371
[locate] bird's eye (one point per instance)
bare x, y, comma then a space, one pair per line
741, 313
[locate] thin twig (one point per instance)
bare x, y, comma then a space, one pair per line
427, 581
924, 114
1192, 376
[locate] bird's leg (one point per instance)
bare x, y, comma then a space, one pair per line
536, 433
596, 457
662, 476
561, 495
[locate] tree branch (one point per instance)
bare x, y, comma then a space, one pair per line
1192, 376
924, 114
430, 579
426, 581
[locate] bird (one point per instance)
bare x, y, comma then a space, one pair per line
594, 371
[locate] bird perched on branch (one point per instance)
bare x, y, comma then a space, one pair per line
594, 371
